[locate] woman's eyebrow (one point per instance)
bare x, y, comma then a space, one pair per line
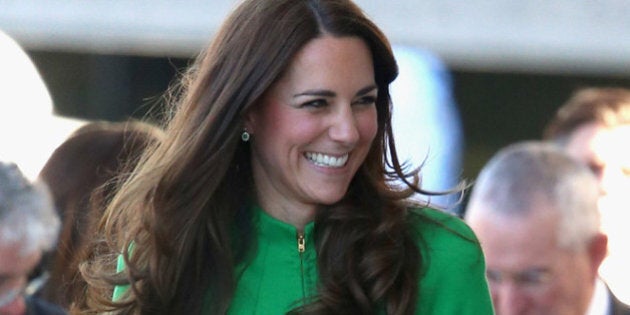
325, 93
328, 93
367, 90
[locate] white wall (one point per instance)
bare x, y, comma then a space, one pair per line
555, 36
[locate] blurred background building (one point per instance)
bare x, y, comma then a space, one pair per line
509, 63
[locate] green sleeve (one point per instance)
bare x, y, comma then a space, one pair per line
120, 290
454, 278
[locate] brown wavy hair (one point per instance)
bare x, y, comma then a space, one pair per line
173, 221
81, 173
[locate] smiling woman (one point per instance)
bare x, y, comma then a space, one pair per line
329, 89
269, 192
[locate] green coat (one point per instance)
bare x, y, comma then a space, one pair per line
283, 272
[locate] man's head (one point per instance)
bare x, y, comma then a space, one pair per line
534, 210
28, 227
593, 126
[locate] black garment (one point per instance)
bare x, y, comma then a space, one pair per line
37, 306
617, 307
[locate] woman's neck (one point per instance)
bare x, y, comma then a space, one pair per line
296, 214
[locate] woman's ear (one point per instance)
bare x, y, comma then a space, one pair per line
249, 122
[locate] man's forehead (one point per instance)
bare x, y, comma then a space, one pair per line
517, 240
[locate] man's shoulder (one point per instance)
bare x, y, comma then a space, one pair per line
37, 306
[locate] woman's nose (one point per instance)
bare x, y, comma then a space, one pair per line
344, 126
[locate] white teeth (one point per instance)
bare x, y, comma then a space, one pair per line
327, 160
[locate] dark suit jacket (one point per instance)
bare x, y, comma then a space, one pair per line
37, 306
616, 306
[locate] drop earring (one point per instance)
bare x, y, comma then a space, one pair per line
245, 136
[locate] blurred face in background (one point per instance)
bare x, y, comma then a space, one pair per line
14, 271
605, 150
528, 272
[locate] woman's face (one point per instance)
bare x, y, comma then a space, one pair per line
315, 126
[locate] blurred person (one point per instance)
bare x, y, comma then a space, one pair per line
81, 173
28, 227
424, 98
269, 193
593, 126
24, 91
534, 209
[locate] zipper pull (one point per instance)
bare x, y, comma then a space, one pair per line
301, 243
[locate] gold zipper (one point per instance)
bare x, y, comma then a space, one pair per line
301, 247
301, 243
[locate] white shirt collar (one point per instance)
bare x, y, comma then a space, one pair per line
600, 303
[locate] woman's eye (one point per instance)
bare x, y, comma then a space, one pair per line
366, 100
318, 103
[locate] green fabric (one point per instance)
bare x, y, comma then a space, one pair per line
279, 277
454, 282
120, 289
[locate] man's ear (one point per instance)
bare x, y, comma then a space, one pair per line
598, 250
